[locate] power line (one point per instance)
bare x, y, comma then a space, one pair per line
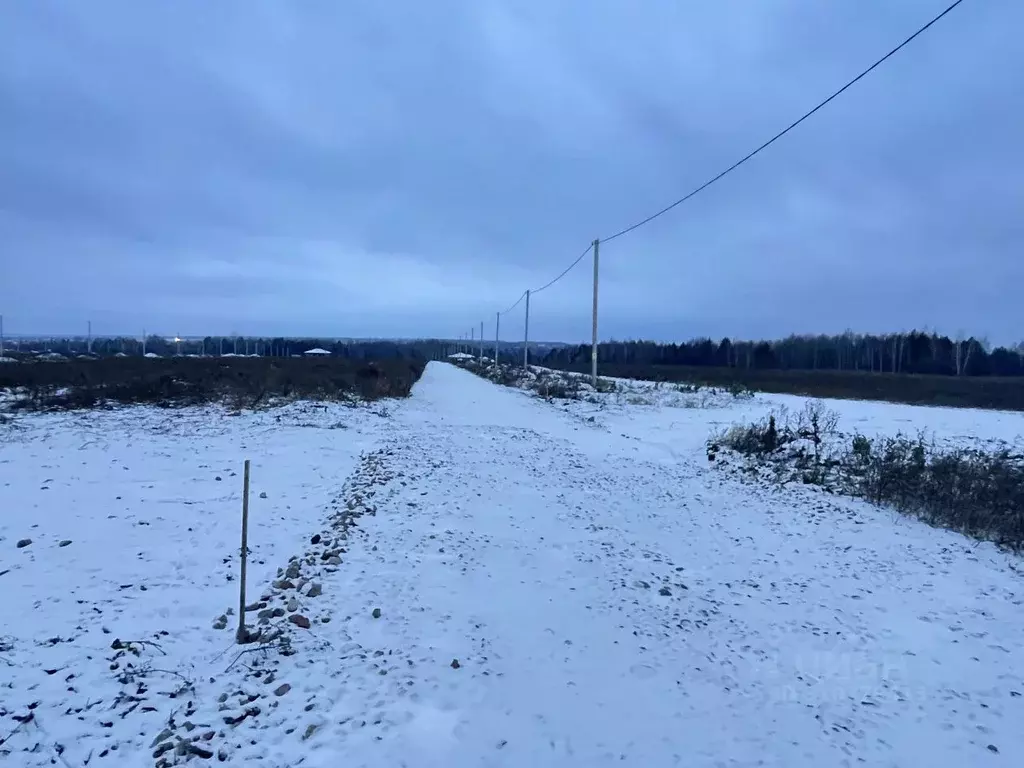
518, 301
783, 132
565, 272
745, 158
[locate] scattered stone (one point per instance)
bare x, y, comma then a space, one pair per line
278, 612
167, 746
236, 719
335, 560
993, 749
665, 592
222, 698
293, 571
455, 664
299, 620
64, 543
23, 543
282, 689
162, 736
310, 730
284, 584
315, 591
376, 613
222, 755
217, 478
255, 606
315, 539
266, 614
208, 735
195, 749
293, 605
263, 494
221, 622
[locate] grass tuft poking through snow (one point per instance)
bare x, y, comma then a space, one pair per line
976, 491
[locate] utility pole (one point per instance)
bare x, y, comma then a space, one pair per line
593, 344
481, 341
526, 335
497, 335
1, 335
88, 341
143, 342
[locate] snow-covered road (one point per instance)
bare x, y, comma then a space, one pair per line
560, 591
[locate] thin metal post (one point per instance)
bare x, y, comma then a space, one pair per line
526, 335
497, 334
143, 341
593, 343
481, 341
242, 635
1, 335
88, 342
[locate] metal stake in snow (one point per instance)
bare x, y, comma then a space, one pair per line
243, 635
593, 343
526, 335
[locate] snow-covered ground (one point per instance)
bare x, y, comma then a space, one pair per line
505, 582
677, 418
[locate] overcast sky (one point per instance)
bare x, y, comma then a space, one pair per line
407, 168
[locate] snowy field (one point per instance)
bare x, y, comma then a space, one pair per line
483, 578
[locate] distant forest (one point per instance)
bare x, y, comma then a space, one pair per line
916, 352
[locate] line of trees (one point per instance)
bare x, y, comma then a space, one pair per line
227, 345
914, 352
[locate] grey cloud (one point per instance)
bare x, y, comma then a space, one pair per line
408, 168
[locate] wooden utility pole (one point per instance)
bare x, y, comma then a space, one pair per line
593, 343
526, 335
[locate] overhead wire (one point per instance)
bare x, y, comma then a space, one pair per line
749, 155
518, 302
785, 130
565, 271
